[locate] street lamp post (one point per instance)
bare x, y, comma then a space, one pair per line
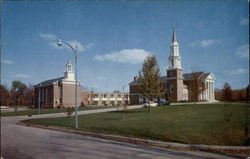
59, 43
124, 102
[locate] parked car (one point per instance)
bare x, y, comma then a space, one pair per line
163, 102
4, 107
151, 103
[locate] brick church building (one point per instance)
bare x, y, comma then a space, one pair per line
58, 92
176, 83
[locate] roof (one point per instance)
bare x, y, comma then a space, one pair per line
136, 81
133, 82
201, 75
48, 82
186, 76
204, 75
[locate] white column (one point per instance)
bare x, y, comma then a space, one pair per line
206, 90
213, 90
210, 92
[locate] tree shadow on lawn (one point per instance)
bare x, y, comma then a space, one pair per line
130, 111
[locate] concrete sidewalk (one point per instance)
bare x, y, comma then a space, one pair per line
188, 103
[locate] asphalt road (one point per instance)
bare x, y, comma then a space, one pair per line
21, 142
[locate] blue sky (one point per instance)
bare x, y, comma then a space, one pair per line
113, 38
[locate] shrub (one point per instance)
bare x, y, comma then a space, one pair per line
69, 111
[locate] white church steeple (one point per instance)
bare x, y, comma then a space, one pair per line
174, 60
69, 74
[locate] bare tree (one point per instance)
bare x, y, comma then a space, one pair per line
227, 92
150, 83
69, 111
227, 98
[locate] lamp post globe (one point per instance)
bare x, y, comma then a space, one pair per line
59, 42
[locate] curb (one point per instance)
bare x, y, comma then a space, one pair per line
142, 142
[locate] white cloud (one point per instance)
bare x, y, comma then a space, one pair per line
243, 50
52, 39
203, 43
102, 77
207, 42
244, 21
133, 56
237, 71
80, 47
49, 37
7, 61
21, 75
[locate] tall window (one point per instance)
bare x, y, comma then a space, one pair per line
69, 68
171, 88
172, 62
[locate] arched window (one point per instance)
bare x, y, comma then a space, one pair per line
171, 89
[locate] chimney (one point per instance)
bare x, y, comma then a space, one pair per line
135, 78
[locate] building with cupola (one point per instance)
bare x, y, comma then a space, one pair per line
58, 92
177, 84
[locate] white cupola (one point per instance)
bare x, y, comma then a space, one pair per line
69, 74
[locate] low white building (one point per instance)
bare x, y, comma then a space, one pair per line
108, 99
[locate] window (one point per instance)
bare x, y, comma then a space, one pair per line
172, 62
171, 88
69, 68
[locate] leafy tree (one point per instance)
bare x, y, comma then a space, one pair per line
196, 85
29, 97
248, 93
18, 89
116, 91
150, 83
237, 94
4, 95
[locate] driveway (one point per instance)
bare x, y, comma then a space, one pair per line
21, 142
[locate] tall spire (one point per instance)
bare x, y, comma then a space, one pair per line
174, 36
174, 58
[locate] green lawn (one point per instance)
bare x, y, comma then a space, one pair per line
193, 124
47, 111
